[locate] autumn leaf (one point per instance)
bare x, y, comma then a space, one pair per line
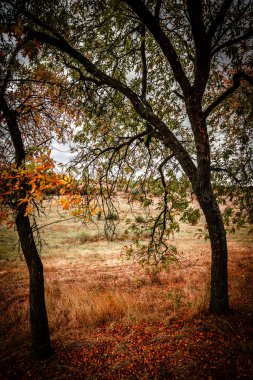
28, 210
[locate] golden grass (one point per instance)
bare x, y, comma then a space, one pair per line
89, 284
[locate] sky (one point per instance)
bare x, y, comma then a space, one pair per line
60, 152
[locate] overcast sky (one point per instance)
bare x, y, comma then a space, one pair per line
60, 152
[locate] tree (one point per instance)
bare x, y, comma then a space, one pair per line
38, 314
27, 119
159, 64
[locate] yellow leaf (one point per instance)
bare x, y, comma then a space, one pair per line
28, 210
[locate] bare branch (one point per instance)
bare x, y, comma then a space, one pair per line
164, 162
38, 145
55, 222
237, 180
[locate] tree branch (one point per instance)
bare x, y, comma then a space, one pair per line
10, 64
157, 8
178, 94
220, 16
38, 145
144, 62
229, 91
164, 42
125, 143
142, 107
218, 170
164, 162
83, 77
202, 46
11, 121
234, 41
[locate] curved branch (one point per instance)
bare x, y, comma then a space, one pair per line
231, 175
163, 41
229, 91
83, 77
234, 41
164, 162
125, 143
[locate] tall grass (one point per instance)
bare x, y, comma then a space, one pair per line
87, 284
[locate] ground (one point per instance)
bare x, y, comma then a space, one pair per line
110, 319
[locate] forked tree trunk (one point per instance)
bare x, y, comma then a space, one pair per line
219, 303
38, 315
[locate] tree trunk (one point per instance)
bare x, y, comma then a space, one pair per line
38, 315
219, 303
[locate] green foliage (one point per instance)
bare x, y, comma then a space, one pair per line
191, 216
152, 256
112, 216
140, 219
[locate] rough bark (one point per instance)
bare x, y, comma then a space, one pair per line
219, 299
219, 303
38, 315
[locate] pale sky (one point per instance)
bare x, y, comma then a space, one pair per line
60, 152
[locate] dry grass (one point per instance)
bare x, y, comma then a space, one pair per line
88, 284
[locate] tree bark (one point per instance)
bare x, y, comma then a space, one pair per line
219, 303
38, 315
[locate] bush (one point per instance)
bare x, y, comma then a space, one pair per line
140, 219
134, 192
112, 216
99, 215
86, 236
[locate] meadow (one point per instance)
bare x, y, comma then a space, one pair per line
110, 318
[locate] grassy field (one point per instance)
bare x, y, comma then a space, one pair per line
99, 304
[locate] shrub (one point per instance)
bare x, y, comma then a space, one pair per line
112, 216
85, 237
140, 219
99, 215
